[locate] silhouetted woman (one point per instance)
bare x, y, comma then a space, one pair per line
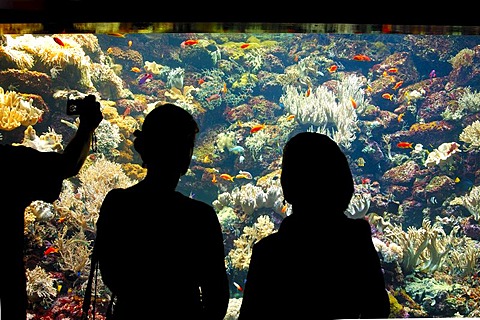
320, 264
160, 251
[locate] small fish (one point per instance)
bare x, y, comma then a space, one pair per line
354, 103
361, 57
189, 42
404, 145
117, 35
145, 78
290, 117
130, 43
61, 219
392, 70
457, 180
50, 250
332, 68
59, 41
200, 81
284, 208
237, 149
224, 89
433, 200
397, 85
135, 69
400, 117
432, 74
257, 128
59, 288
239, 288
245, 45
214, 178
366, 181
307, 94
226, 176
213, 97
246, 174
387, 96
360, 162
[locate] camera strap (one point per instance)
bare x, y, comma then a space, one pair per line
94, 142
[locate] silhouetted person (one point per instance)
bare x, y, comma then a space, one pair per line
320, 264
159, 251
29, 175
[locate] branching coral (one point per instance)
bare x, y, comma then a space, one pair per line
470, 201
471, 135
423, 249
332, 113
74, 251
40, 287
241, 254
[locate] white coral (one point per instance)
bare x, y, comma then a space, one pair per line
471, 135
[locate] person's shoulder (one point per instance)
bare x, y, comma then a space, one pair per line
198, 206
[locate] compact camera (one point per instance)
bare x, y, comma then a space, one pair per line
76, 106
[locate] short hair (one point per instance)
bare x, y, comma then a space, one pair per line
167, 137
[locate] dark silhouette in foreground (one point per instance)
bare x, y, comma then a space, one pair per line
29, 175
160, 252
320, 264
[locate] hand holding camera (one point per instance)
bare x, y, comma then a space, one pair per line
88, 109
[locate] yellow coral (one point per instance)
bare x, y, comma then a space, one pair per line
15, 111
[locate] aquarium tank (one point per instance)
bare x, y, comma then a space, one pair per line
403, 106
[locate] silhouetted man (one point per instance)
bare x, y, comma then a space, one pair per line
29, 175
160, 252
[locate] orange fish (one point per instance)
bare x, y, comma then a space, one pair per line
188, 42
226, 176
405, 145
361, 57
284, 208
135, 69
307, 94
130, 43
397, 85
214, 178
392, 70
200, 81
61, 219
59, 41
245, 45
116, 34
332, 68
214, 96
354, 103
224, 88
239, 288
387, 96
50, 250
290, 117
400, 117
257, 128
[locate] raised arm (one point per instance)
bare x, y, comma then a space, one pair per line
78, 148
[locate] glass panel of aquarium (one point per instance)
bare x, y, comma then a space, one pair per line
404, 105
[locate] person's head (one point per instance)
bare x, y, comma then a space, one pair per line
314, 169
167, 138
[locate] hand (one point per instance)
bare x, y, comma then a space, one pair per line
91, 119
